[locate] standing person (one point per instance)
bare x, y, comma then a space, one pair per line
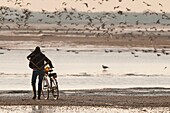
37, 62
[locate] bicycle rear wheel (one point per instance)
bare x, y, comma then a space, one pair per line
45, 88
55, 89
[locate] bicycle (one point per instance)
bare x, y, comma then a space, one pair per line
50, 83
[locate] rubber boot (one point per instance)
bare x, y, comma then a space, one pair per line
34, 92
39, 94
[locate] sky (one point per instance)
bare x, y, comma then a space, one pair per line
90, 5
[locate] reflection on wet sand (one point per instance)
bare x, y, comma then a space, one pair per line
80, 109
37, 109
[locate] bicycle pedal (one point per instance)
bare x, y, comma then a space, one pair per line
45, 85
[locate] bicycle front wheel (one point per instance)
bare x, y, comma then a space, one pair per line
55, 89
45, 88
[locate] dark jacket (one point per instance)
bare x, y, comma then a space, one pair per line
38, 60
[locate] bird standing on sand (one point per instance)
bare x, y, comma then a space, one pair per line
104, 67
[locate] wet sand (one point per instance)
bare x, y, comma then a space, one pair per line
91, 97
96, 97
117, 40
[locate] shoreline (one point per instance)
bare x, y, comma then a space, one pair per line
117, 40
91, 97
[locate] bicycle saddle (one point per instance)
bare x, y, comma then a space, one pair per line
52, 75
50, 70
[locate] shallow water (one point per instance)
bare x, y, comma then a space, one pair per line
79, 109
81, 67
86, 60
11, 82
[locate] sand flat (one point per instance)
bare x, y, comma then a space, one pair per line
87, 98
118, 40
90, 97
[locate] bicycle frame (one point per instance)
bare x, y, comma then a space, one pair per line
50, 84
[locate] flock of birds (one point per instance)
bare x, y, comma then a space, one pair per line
24, 16
95, 23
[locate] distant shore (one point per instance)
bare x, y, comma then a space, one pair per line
95, 97
117, 40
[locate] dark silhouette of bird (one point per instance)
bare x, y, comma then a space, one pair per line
158, 54
165, 67
116, 7
160, 4
120, 12
128, 9
64, 3
28, 4
105, 67
86, 4
158, 21
146, 3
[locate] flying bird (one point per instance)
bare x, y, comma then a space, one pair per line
28, 4
146, 3
158, 21
86, 4
128, 9
160, 4
120, 12
104, 67
116, 7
